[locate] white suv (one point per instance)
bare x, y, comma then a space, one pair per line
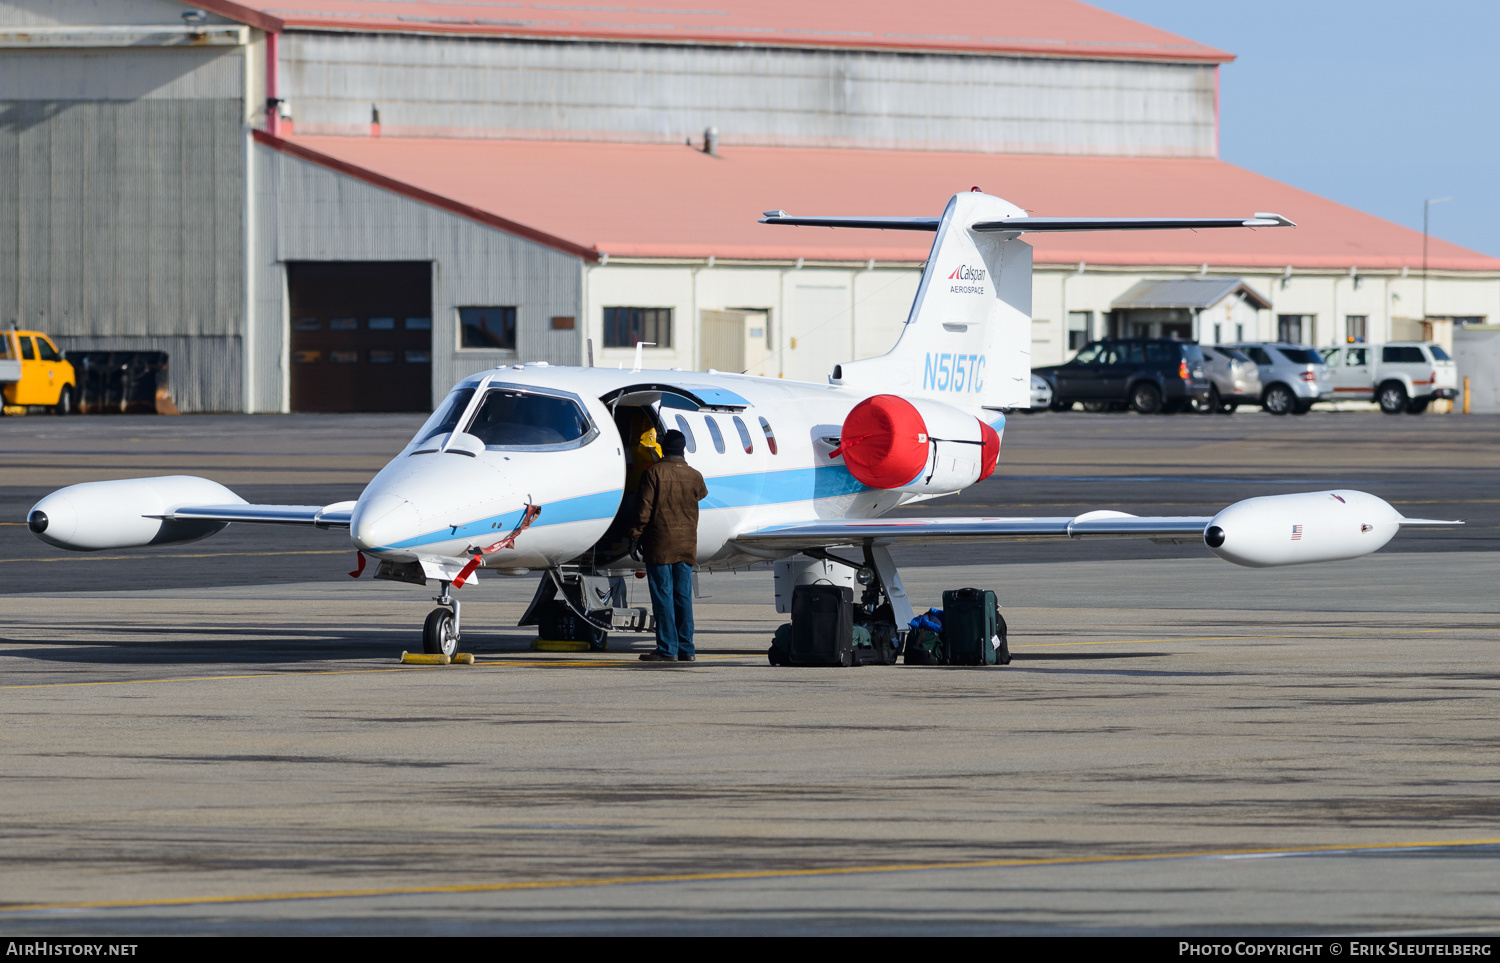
1401, 376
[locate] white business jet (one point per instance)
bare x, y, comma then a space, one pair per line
523, 468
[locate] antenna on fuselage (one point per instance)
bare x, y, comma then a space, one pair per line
638, 346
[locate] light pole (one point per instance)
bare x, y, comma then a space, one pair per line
1426, 207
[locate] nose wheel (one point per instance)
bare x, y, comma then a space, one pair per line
440, 631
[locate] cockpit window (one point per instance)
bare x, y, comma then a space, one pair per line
446, 416
508, 418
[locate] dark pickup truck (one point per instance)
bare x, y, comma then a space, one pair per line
1147, 374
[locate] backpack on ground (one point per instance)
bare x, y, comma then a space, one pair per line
780, 652
974, 632
882, 645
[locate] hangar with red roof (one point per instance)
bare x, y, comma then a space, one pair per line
348, 205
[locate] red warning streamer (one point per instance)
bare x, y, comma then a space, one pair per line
509, 541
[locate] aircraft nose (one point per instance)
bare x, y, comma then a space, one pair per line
383, 520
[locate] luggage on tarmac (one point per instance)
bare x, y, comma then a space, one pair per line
973, 629
881, 645
822, 625
923, 647
780, 652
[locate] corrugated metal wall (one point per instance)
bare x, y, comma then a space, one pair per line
466, 87
121, 173
308, 213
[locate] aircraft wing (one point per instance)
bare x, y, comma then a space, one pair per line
325, 516
1174, 528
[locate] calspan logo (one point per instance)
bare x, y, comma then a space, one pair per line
966, 273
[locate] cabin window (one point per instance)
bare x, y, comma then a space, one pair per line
715, 433
508, 418
739, 426
687, 432
625, 327
488, 328
765, 426
45, 350
28, 353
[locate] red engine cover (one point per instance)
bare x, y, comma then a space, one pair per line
884, 442
991, 455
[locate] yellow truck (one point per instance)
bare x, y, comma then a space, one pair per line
34, 374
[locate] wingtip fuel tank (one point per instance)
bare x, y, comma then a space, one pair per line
1295, 529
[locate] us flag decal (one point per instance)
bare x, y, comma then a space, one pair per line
1296, 533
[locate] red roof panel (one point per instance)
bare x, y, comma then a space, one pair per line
651, 200
1065, 28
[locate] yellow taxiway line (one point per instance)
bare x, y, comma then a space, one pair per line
595, 882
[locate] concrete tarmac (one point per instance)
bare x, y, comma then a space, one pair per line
1180, 746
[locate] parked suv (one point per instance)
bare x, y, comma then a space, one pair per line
1234, 380
1148, 374
1292, 376
1402, 375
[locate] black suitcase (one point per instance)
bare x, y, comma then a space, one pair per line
973, 629
822, 625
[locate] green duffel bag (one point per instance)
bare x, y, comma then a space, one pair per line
924, 647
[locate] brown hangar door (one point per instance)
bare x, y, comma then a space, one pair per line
361, 337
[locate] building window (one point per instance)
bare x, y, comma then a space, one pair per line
626, 327
1079, 323
1356, 328
488, 327
1294, 328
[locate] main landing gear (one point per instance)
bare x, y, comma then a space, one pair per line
440, 632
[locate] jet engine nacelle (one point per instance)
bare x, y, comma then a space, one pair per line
1307, 527
118, 514
914, 445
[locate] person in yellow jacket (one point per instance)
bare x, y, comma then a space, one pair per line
645, 451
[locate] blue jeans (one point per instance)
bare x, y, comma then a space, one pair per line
672, 604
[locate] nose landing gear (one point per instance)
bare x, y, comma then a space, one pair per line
440, 631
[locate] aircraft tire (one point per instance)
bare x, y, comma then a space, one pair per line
439, 634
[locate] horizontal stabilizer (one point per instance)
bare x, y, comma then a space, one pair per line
879, 223
1045, 224
1427, 522
1035, 224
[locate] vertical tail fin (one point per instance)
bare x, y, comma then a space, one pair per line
967, 341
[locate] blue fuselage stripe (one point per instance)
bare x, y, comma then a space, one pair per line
724, 491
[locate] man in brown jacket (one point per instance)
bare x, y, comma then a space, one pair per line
665, 537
